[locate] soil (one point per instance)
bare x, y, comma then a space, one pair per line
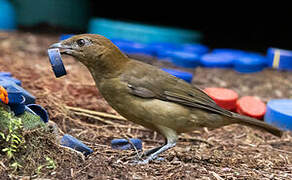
237, 152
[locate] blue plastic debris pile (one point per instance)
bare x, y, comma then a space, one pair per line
21, 100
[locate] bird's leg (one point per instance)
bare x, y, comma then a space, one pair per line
155, 154
171, 138
151, 151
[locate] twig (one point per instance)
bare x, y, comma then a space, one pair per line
95, 117
102, 114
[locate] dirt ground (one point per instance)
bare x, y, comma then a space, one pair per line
237, 152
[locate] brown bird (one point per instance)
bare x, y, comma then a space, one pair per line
149, 96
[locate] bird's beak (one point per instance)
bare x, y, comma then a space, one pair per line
64, 49
56, 45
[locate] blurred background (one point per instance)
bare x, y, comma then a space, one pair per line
240, 25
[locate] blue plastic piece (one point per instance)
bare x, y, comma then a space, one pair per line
180, 74
130, 47
56, 62
182, 58
234, 52
196, 48
218, 60
16, 101
38, 110
279, 58
279, 113
7, 16
12, 79
10, 86
5, 74
123, 144
73, 143
250, 63
65, 36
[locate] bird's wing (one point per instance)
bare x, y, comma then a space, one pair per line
150, 82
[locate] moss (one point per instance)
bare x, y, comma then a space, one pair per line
29, 120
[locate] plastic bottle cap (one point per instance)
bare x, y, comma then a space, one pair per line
221, 60
123, 144
250, 63
251, 106
279, 58
56, 62
182, 58
196, 48
130, 47
224, 98
180, 74
73, 143
279, 113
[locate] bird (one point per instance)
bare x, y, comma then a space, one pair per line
148, 96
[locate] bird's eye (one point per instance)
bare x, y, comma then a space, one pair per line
80, 42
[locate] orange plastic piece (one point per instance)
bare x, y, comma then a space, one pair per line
4, 95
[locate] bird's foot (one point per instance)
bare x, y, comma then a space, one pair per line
149, 159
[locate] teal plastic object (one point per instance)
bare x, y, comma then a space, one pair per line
7, 16
141, 32
72, 14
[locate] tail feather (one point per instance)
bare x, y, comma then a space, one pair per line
258, 124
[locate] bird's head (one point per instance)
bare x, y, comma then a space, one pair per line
94, 51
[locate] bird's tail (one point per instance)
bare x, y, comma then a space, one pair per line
257, 123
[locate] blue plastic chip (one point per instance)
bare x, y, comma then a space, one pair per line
123, 144
73, 143
250, 63
279, 113
56, 62
220, 60
180, 74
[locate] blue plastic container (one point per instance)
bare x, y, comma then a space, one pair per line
56, 62
16, 101
7, 16
180, 74
279, 58
12, 79
250, 63
5, 74
140, 32
11, 86
123, 144
217, 60
279, 113
73, 143
39, 111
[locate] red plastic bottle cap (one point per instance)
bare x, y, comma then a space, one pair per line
251, 106
224, 98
